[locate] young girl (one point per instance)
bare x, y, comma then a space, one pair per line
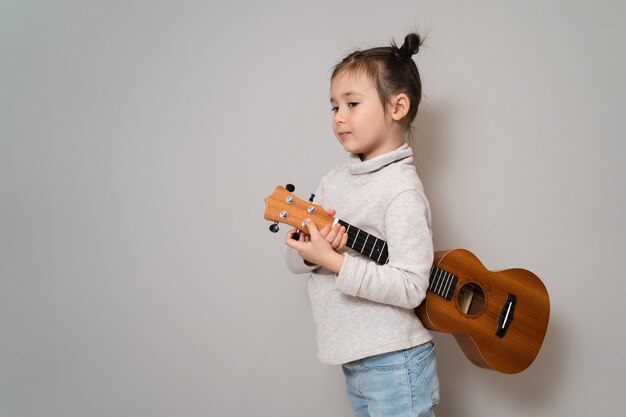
363, 311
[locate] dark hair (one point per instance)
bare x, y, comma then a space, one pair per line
392, 70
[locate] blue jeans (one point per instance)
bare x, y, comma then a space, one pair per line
394, 384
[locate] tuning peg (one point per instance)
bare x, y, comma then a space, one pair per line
290, 188
274, 227
296, 235
311, 198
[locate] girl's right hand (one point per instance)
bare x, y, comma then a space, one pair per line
335, 235
316, 250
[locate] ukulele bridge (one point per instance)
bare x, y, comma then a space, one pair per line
506, 316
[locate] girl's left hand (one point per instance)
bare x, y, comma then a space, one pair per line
335, 235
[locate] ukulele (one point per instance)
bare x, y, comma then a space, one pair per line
498, 318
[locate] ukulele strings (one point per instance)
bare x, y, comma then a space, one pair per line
357, 238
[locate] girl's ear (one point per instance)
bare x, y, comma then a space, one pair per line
400, 105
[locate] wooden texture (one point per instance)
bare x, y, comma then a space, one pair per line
276, 203
476, 333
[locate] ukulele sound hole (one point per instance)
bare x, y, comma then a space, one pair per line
471, 299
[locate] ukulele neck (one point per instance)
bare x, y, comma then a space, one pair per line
442, 282
366, 244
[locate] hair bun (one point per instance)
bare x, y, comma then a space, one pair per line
411, 45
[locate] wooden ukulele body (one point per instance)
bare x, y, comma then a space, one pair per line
477, 309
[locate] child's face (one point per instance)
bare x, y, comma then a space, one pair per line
360, 121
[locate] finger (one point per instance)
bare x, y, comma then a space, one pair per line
290, 234
344, 241
313, 231
332, 212
289, 240
292, 243
340, 235
330, 237
324, 230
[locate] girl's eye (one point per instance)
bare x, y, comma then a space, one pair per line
350, 105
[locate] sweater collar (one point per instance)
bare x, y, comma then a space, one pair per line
358, 167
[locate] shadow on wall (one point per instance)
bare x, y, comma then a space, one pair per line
434, 146
462, 384
461, 381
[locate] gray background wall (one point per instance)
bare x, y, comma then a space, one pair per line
139, 138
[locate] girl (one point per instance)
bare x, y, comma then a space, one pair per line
363, 311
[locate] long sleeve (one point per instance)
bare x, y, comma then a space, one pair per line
367, 309
404, 280
295, 263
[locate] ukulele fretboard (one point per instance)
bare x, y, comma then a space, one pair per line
442, 283
366, 244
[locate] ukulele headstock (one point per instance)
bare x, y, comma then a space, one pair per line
282, 206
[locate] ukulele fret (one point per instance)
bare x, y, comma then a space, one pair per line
359, 240
434, 279
356, 237
382, 250
364, 244
442, 283
373, 246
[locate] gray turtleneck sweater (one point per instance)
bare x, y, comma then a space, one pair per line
367, 309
